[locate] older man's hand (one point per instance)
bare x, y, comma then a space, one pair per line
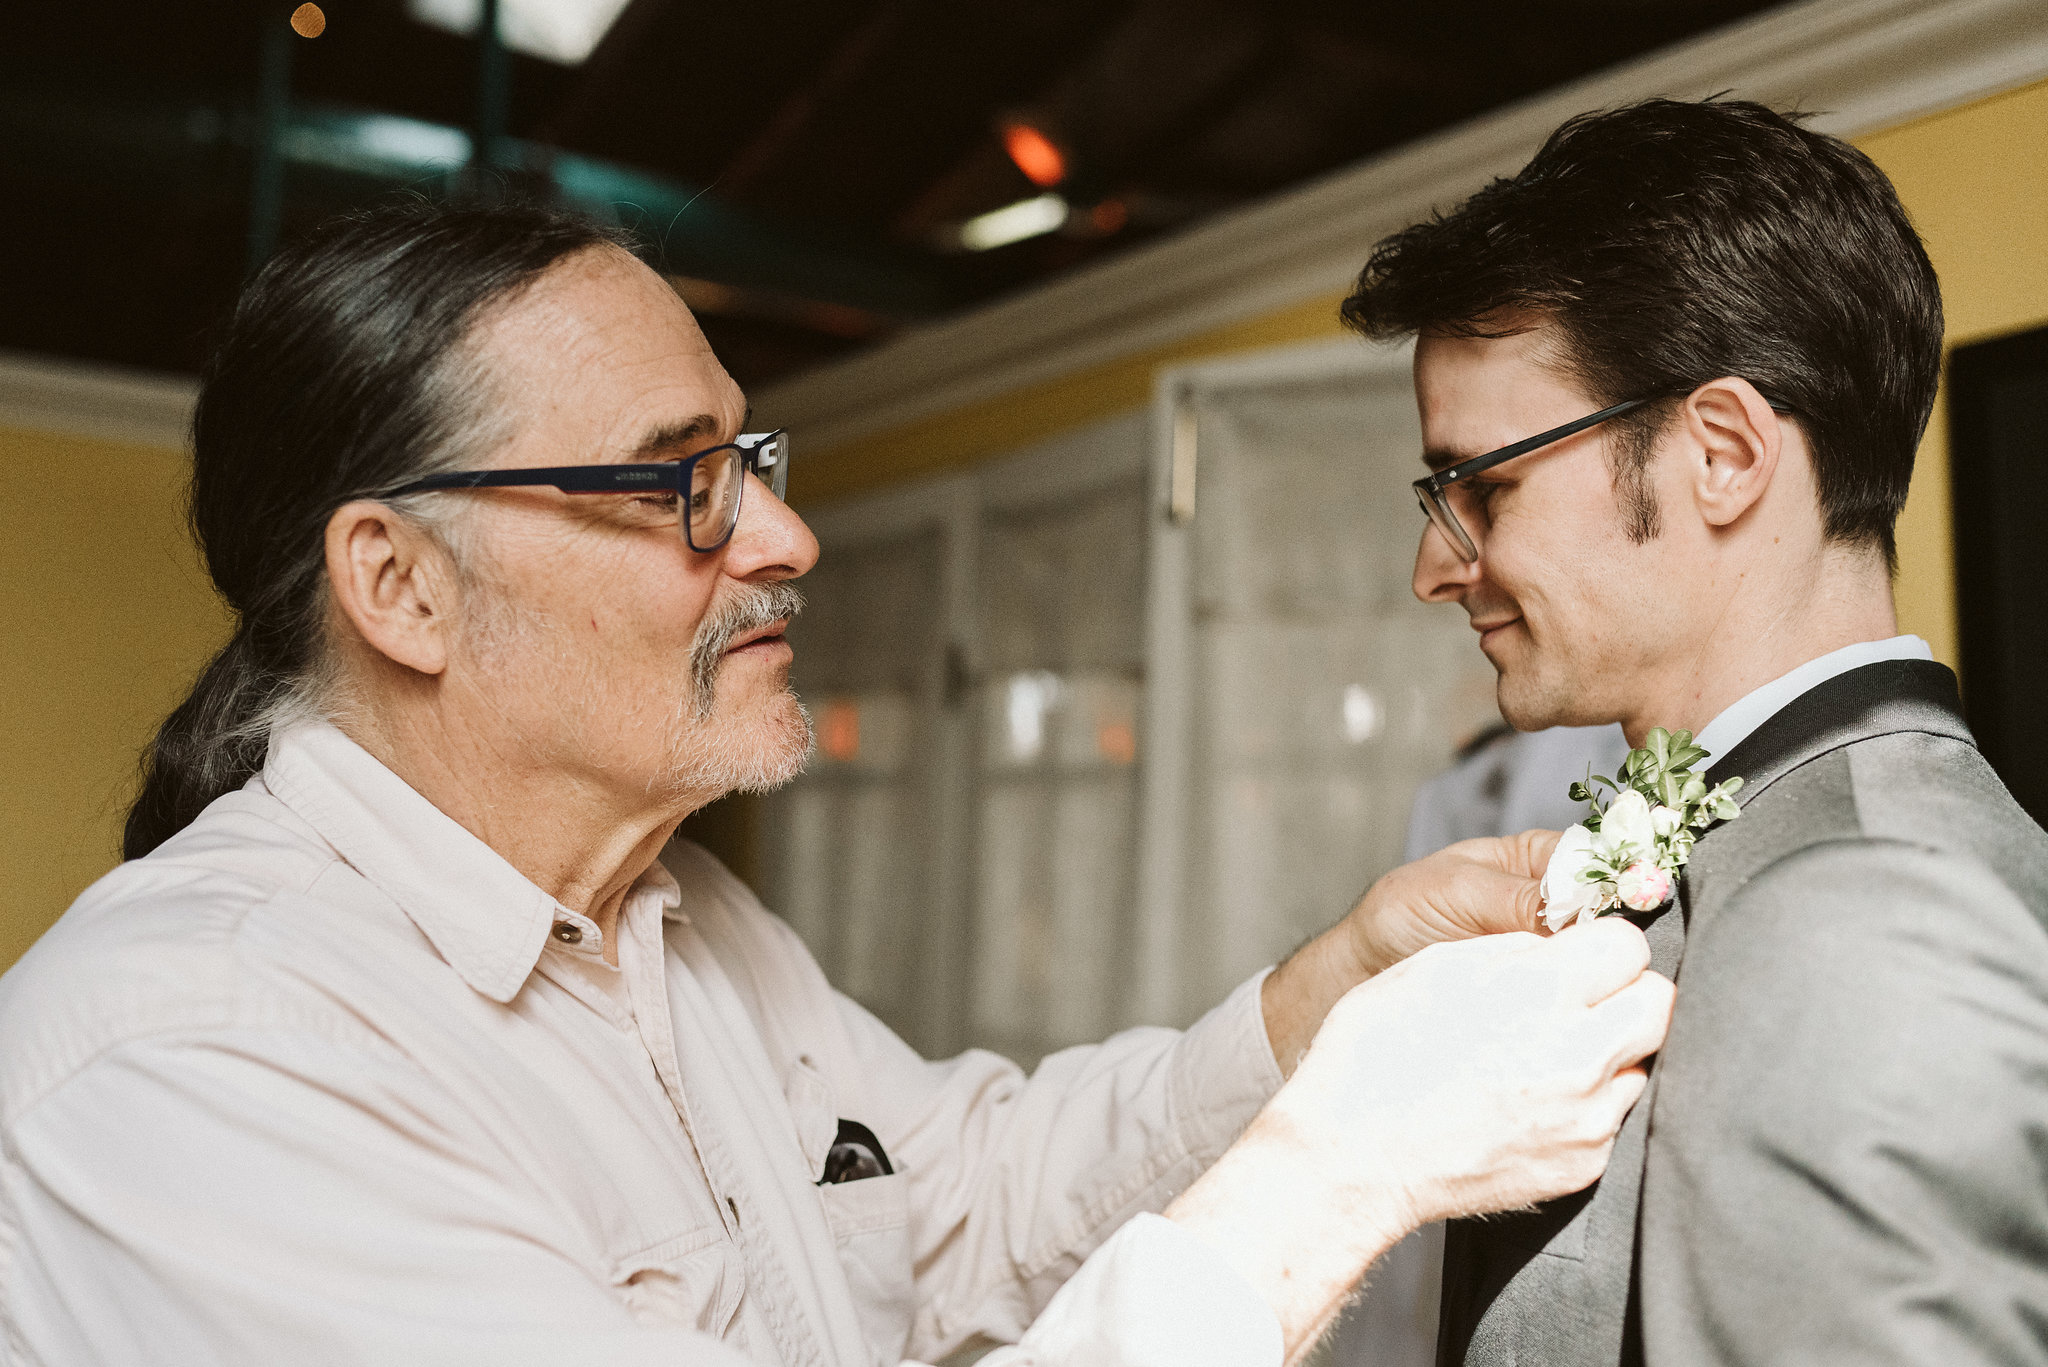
1471, 1078
1475, 887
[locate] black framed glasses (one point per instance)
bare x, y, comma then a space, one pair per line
1434, 492
707, 486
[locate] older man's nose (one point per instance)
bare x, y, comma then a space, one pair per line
1441, 574
770, 540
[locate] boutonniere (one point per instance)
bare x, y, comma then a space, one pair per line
1627, 854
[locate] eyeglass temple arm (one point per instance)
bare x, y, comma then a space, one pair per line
574, 479
1466, 469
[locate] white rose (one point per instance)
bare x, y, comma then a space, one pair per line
1627, 830
1566, 895
1665, 822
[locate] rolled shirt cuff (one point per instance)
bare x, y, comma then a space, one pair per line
1223, 1072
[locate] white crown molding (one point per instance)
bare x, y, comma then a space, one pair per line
1864, 64
40, 394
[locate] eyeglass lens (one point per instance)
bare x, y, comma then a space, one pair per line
771, 463
1436, 506
715, 483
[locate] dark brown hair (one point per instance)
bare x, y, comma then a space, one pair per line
1671, 243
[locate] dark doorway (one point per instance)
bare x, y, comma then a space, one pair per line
1998, 443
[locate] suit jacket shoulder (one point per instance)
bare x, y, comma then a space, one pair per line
1847, 1157
1853, 1086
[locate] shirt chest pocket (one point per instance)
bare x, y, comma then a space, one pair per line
693, 1281
870, 1222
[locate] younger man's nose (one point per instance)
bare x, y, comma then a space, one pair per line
1441, 574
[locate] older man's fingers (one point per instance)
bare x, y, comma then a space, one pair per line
1525, 854
1630, 1026
1596, 960
1496, 902
1639, 1016
1619, 1097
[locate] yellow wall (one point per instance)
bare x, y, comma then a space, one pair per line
1975, 180
105, 616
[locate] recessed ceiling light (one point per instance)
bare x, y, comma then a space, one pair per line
564, 31
1014, 223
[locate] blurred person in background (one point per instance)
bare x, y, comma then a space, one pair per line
408, 1034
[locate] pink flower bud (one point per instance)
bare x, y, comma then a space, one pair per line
1643, 886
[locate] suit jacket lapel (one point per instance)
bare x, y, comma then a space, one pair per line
1874, 700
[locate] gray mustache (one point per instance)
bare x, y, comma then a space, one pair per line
759, 605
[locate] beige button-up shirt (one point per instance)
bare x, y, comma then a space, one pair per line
324, 1079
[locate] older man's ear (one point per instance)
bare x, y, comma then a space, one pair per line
393, 583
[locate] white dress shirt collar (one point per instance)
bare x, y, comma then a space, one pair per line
484, 917
1740, 719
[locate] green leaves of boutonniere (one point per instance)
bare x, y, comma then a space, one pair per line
1627, 853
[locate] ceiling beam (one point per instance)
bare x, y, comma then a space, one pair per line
335, 157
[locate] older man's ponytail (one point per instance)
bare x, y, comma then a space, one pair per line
206, 747
342, 371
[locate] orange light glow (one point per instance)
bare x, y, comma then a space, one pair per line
839, 730
1108, 216
308, 21
1035, 155
1117, 741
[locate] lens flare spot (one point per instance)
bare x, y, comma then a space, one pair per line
839, 730
308, 21
1117, 741
1036, 155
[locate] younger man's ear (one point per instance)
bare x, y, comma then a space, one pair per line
1737, 441
393, 583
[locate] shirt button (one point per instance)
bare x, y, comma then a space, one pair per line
568, 934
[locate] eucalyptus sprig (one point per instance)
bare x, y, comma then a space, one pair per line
1662, 772
1628, 850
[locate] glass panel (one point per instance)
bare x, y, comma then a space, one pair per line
846, 865
1324, 692
1062, 601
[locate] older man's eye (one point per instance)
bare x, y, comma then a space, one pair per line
664, 501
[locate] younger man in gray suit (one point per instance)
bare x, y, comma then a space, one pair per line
1672, 376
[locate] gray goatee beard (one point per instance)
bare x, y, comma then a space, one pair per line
743, 755
761, 605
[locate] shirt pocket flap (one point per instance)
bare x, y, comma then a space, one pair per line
868, 1206
693, 1280
813, 1108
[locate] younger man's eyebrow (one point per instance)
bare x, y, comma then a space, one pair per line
1442, 460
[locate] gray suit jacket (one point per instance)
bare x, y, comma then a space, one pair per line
1842, 1156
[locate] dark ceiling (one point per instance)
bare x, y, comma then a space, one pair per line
837, 145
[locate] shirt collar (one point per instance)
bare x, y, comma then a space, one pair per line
481, 915
1737, 721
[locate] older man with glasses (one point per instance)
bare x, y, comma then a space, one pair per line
407, 1034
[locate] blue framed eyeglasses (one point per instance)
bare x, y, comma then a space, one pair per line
707, 486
